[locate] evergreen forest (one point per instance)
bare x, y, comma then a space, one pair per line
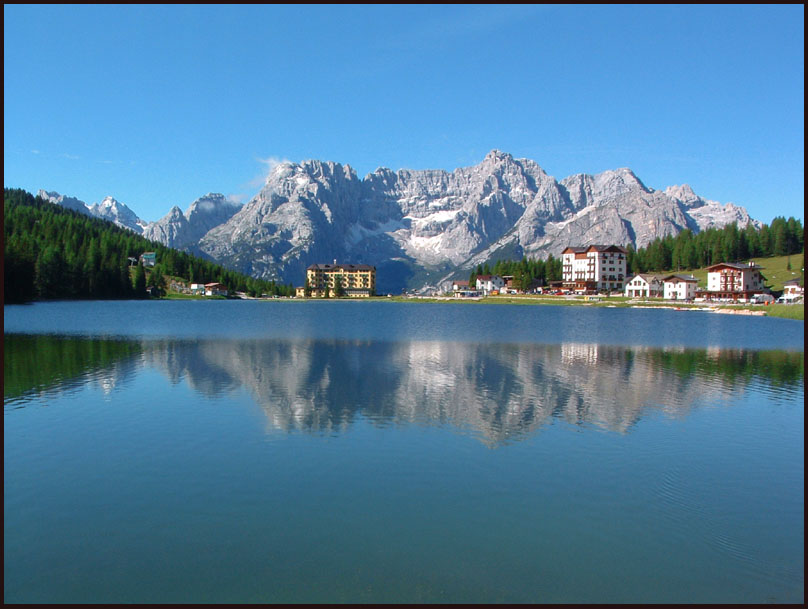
55, 253
689, 250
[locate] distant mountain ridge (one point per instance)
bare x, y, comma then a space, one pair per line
419, 228
109, 209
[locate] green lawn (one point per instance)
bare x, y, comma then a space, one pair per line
787, 311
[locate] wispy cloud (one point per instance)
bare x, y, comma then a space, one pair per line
463, 22
72, 157
269, 164
272, 162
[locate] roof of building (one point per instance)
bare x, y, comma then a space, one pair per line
341, 267
740, 266
596, 248
795, 281
676, 276
647, 277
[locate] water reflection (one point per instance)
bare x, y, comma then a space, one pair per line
500, 392
36, 364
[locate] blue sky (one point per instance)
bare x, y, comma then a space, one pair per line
158, 105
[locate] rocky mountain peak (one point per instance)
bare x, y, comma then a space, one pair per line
499, 163
280, 171
67, 202
113, 210
109, 201
320, 170
618, 182
497, 156
184, 230
210, 203
684, 194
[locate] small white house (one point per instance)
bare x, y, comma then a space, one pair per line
644, 286
679, 287
462, 289
198, 288
792, 290
215, 289
489, 283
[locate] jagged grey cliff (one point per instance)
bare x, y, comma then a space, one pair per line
184, 230
420, 228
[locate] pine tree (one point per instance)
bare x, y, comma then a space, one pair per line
48, 273
140, 282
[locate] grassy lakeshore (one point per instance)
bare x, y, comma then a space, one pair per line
785, 311
792, 311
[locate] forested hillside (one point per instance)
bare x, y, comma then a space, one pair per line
526, 273
51, 252
728, 244
687, 250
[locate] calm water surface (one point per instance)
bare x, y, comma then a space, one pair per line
386, 452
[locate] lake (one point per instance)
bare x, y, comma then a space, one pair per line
226, 451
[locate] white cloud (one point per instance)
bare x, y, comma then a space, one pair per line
272, 162
462, 22
269, 164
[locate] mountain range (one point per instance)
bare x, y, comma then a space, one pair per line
419, 228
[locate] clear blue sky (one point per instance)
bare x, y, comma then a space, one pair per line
158, 105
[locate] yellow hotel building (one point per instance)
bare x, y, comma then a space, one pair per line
357, 280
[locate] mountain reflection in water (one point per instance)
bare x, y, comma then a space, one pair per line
499, 392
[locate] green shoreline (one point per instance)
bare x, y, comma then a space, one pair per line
782, 311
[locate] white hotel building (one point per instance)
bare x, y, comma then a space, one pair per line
733, 281
594, 268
